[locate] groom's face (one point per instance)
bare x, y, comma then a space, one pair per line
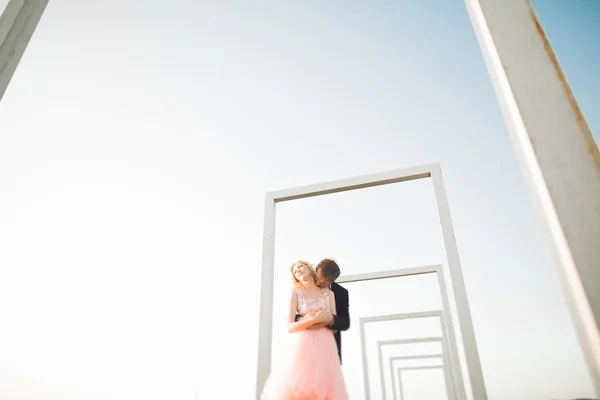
322, 281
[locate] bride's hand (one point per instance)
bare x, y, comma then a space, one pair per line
323, 316
308, 315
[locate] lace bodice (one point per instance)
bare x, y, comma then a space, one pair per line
310, 305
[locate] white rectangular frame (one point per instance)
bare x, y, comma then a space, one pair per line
457, 285
450, 352
382, 343
392, 360
444, 315
401, 369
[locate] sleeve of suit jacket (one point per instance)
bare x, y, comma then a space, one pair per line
341, 321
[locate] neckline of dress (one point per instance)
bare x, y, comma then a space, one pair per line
324, 297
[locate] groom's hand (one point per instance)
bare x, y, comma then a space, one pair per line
303, 317
323, 319
320, 325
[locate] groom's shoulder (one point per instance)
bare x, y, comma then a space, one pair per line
336, 287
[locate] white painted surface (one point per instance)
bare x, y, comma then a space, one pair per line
17, 24
555, 148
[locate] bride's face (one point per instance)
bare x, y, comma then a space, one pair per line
301, 272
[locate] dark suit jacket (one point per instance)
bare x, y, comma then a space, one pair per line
341, 321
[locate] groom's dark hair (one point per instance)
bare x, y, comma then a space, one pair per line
328, 269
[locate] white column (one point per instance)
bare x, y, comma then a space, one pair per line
463, 311
265, 333
555, 148
17, 24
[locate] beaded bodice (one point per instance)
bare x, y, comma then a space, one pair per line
308, 305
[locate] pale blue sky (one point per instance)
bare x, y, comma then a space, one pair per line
138, 139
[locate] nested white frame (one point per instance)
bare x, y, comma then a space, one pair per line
461, 303
424, 367
432, 339
449, 392
395, 342
450, 352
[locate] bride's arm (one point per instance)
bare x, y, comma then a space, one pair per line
304, 323
328, 321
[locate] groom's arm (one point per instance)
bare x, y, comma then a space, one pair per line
341, 321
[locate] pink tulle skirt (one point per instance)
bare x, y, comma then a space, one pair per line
312, 372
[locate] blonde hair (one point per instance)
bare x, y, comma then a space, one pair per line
295, 281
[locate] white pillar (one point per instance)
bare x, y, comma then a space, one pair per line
463, 311
556, 150
17, 24
265, 334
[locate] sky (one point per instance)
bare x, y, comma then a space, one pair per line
138, 139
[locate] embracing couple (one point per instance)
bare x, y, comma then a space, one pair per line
318, 312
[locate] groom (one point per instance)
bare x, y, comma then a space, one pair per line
327, 272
